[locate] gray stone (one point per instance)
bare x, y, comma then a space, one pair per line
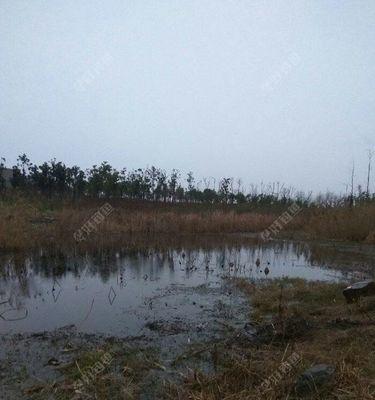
359, 289
314, 378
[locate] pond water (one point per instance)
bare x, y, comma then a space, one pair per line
117, 293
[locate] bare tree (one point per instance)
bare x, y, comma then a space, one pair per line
239, 185
206, 182
352, 186
370, 155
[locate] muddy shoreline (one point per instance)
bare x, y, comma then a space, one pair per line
34, 362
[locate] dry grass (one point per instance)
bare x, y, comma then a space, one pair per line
26, 224
120, 379
36, 222
357, 224
328, 331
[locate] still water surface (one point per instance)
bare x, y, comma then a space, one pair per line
118, 293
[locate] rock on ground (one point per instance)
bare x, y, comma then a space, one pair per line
359, 289
313, 378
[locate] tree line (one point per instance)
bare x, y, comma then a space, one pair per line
55, 179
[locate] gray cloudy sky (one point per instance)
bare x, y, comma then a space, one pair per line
262, 90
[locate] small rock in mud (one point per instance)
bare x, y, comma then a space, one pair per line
314, 378
248, 332
153, 326
53, 361
166, 327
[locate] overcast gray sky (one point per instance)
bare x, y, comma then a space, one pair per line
262, 90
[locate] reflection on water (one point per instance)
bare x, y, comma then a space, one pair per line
114, 293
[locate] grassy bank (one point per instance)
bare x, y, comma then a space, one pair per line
35, 222
292, 317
